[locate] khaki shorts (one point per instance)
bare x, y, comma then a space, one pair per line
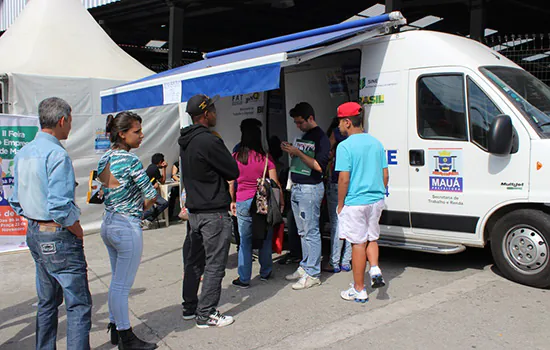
360, 223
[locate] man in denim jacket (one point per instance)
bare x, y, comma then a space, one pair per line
43, 192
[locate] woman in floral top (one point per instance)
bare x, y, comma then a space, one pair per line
127, 193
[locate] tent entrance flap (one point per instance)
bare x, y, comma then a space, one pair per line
238, 72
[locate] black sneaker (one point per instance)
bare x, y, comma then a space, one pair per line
237, 282
286, 260
188, 314
266, 278
216, 319
377, 281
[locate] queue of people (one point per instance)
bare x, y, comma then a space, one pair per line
345, 164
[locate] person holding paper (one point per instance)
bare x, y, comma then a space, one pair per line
310, 156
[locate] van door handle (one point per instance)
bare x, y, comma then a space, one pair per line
416, 157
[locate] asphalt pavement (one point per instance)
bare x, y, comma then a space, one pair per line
430, 302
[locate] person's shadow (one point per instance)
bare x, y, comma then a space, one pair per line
26, 337
394, 262
169, 319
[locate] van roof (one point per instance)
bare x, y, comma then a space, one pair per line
424, 48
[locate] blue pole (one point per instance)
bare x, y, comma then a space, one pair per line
301, 35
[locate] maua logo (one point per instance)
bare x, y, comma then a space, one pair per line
446, 184
446, 175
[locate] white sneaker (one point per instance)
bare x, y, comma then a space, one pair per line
145, 224
352, 294
296, 274
216, 319
306, 281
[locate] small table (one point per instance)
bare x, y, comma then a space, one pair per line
164, 191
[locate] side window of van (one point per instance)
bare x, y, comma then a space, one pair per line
482, 111
441, 107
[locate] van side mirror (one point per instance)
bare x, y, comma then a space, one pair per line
500, 136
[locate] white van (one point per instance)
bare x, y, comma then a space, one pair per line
467, 136
466, 130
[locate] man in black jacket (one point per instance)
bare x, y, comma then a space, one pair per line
206, 167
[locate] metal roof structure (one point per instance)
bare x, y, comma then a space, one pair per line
214, 24
10, 9
143, 27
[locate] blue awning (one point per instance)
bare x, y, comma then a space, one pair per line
243, 69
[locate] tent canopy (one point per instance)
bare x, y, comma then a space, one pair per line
239, 70
60, 38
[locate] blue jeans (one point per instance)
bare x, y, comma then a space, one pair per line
336, 243
306, 206
160, 205
245, 249
61, 271
124, 240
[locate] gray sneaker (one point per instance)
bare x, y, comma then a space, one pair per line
145, 224
296, 274
306, 282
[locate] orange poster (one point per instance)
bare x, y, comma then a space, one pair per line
15, 133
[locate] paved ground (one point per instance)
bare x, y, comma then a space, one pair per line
431, 302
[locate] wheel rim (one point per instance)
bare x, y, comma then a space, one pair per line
525, 249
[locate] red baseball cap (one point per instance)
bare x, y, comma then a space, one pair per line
349, 109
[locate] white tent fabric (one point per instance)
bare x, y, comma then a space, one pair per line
55, 48
61, 38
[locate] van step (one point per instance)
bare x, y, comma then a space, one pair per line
435, 248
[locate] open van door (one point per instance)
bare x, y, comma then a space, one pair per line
455, 183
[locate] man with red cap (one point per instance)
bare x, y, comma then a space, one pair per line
361, 161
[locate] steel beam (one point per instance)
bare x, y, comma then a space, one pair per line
175, 38
394, 5
477, 20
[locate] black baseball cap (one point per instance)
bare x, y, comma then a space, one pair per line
199, 103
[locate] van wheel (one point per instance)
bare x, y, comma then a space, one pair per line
519, 243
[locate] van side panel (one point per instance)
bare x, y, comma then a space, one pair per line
383, 94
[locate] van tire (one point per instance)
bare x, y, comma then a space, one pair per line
520, 247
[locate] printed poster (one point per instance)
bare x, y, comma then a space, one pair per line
15, 132
336, 83
297, 166
102, 141
248, 106
378, 89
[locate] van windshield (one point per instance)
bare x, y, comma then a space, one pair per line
530, 95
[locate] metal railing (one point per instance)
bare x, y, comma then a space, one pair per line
530, 51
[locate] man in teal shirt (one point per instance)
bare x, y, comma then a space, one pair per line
361, 161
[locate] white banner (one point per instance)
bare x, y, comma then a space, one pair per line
15, 132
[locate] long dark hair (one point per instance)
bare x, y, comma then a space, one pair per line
333, 125
121, 123
251, 140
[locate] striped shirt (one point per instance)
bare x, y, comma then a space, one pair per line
134, 183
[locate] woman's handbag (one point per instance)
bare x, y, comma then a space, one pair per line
262, 192
274, 215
